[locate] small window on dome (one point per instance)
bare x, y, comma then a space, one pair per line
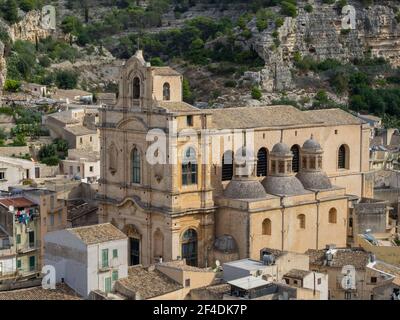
304, 162
312, 162
281, 166
273, 166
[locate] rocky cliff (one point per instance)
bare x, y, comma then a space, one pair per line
319, 34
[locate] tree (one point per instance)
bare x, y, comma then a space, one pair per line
71, 24
11, 11
156, 62
187, 94
27, 5
66, 79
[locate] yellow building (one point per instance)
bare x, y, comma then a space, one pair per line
292, 191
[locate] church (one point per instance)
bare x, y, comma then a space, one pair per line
306, 172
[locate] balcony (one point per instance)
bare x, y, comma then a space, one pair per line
27, 247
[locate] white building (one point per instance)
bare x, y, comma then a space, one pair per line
88, 258
8, 266
275, 264
84, 165
309, 280
14, 170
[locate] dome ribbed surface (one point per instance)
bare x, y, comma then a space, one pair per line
314, 180
244, 189
287, 186
280, 149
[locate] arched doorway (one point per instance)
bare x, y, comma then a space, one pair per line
189, 247
134, 244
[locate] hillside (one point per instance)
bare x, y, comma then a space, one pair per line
231, 53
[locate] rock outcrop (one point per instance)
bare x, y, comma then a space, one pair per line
319, 34
30, 28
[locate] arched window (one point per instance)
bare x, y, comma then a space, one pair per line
332, 215
189, 247
262, 162
296, 158
189, 167
266, 227
166, 91
136, 88
301, 219
227, 166
135, 166
343, 157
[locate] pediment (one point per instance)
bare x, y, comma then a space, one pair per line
132, 124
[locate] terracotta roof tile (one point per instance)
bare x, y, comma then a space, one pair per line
97, 233
147, 282
18, 202
62, 292
341, 257
297, 273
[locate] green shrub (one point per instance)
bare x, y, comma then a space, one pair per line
308, 8
12, 85
66, 79
256, 93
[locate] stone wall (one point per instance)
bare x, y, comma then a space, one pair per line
370, 215
10, 151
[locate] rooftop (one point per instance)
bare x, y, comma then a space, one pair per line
333, 117
62, 292
148, 282
18, 202
164, 71
248, 283
278, 116
70, 94
297, 273
64, 117
247, 264
17, 162
98, 233
341, 257
181, 265
179, 106
216, 290
80, 130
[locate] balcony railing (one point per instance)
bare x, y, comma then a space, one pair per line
28, 246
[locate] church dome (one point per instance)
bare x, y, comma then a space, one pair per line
317, 180
244, 189
311, 144
281, 149
225, 243
283, 185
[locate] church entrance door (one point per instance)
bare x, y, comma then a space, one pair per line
134, 251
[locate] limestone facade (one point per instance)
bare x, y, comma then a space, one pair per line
294, 195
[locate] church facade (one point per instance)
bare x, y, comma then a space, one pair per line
303, 172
